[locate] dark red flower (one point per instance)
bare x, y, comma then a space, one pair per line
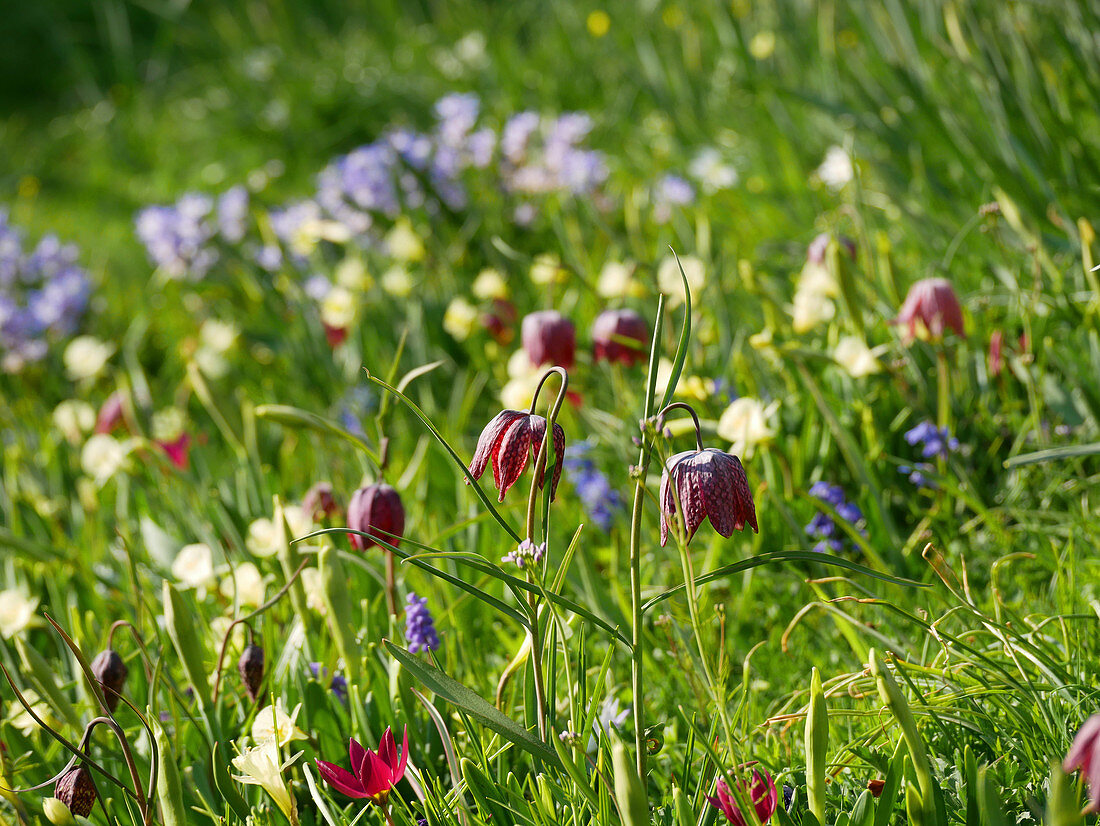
376, 510
251, 668
509, 440
499, 320
372, 774
76, 789
549, 338
110, 414
110, 671
932, 303
761, 792
619, 335
335, 336
320, 502
1084, 754
709, 483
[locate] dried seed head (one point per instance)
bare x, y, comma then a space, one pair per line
251, 668
110, 671
76, 789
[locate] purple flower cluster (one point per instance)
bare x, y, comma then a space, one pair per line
180, 238
526, 553
600, 500
338, 685
936, 443
542, 155
43, 295
823, 527
419, 626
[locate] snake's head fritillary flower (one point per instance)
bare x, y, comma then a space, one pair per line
931, 303
377, 510
76, 789
373, 774
549, 338
619, 336
509, 440
251, 668
996, 357
499, 320
110, 671
709, 483
1084, 754
320, 502
761, 792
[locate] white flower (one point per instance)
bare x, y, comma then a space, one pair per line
489, 284
314, 588
397, 282
86, 356
836, 170
218, 336
194, 565
259, 766
853, 354
670, 283
617, 280
547, 269
460, 318
403, 244
17, 609
816, 278
247, 583
263, 536
712, 173
351, 273
339, 308
74, 418
168, 424
212, 363
103, 456
26, 725
274, 720
746, 424
811, 308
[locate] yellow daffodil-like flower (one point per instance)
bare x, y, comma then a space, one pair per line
246, 583
316, 229
670, 283
86, 356
547, 269
74, 418
746, 424
194, 565
853, 354
460, 319
260, 766
17, 609
617, 280
351, 274
695, 387
103, 456
273, 721
490, 284
403, 244
397, 282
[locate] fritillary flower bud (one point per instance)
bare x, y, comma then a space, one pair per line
549, 338
251, 668
509, 440
1084, 754
376, 510
619, 336
110, 671
110, 414
320, 502
76, 789
931, 303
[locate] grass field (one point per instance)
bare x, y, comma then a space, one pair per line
271, 272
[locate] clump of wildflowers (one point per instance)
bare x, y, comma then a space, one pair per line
420, 630
823, 527
526, 553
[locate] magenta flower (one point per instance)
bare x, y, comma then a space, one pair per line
509, 440
931, 302
177, 449
376, 510
619, 335
549, 338
761, 793
372, 774
709, 483
110, 414
1084, 754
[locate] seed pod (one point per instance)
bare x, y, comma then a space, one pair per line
251, 668
109, 669
76, 789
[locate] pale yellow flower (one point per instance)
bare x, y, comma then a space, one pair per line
17, 612
314, 588
811, 309
86, 356
696, 388
74, 418
339, 308
315, 229
397, 282
194, 565
263, 535
746, 424
247, 583
762, 45
519, 392
351, 273
837, 169
490, 284
20, 720
672, 285
274, 721
616, 280
103, 456
598, 23
853, 354
260, 766
217, 335
460, 319
403, 244
547, 269
168, 424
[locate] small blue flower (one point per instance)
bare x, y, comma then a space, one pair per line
420, 630
937, 442
916, 474
823, 527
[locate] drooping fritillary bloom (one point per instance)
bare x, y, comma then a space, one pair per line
619, 336
376, 510
709, 484
549, 338
932, 303
373, 774
509, 440
1084, 754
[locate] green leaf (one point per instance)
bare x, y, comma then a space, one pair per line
1071, 452
296, 417
473, 704
685, 338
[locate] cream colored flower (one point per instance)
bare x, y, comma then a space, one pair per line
57, 812
17, 609
547, 269
853, 354
260, 766
103, 456
403, 244
168, 424
836, 170
747, 423
519, 392
670, 283
816, 278
460, 319
696, 388
218, 336
664, 376
617, 280
274, 720
811, 309
711, 171
194, 565
397, 282
312, 230
314, 588
263, 536
74, 418
86, 356
339, 308
351, 273
247, 583
21, 721
490, 284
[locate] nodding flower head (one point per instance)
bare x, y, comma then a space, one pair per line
761, 793
509, 440
372, 774
619, 335
931, 303
549, 338
110, 671
251, 668
704, 483
376, 510
76, 789
320, 502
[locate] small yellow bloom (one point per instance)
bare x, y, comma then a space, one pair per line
460, 319
194, 565
103, 456
617, 281
86, 356
762, 45
17, 612
74, 418
274, 721
403, 244
397, 282
695, 387
263, 535
747, 423
339, 308
351, 274
672, 285
316, 229
853, 354
490, 284
599, 23
246, 583
811, 308
21, 721
547, 269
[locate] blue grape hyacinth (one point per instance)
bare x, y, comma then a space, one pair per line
420, 631
823, 526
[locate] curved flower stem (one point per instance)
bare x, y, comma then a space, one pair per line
694, 418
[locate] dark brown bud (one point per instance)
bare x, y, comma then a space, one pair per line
109, 669
76, 789
251, 667
876, 786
